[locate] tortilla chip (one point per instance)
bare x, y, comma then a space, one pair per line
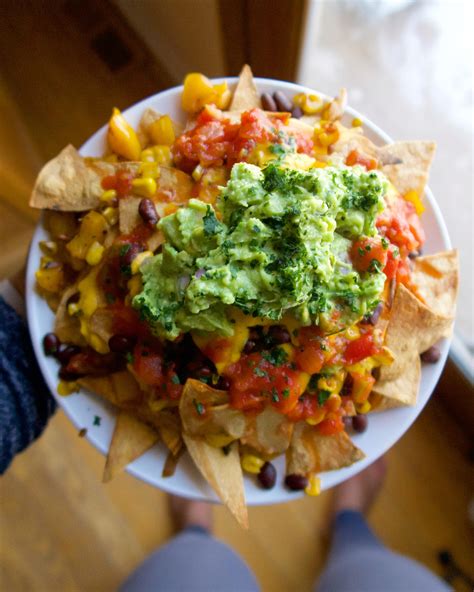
131, 438
223, 473
170, 465
413, 164
67, 327
311, 452
171, 438
218, 418
337, 106
436, 278
246, 95
119, 388
150, 116
129, 218
69, 183
399, 391
102, 323
353, 139
268, 433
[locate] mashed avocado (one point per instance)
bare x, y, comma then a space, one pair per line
276, 244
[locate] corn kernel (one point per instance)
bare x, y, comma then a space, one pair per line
111, 215
328, 138
73, 309
122, 138
139, 259
67, 388
161, 131
352, 333
319, 165
198, 172
162, 155
251, 463
314, 486
218, 440
144, 186
94, 253
147, 155
157, 406
364, 407
109, 196
134, 286
333, 403
356, 122
98, 344
413, 197
329, 383
317, 417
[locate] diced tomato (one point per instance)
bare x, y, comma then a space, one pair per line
369, 254
148, 365
354, 157
121, 182
306, 407
310, 358
360, 348
109, 182
391, 267
362, 385
333, 424
401, 225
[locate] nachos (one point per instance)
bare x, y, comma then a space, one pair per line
244, 286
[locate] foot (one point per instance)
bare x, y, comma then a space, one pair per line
186, 513
359, 492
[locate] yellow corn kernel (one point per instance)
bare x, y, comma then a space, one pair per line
122, 138
319, 165
157, 406
413, 197
309, 103
364, 407
318, 417
162, 155
93, 228
111, 215
94, 253
147, 155
98, 344
161, 131
328, 384
221, 95
73, 309
134, 285
145, 186
109, 196
197, 172
218, 440
51, 278
251, 463
333, 403
328, 138
319, 150
67, 388
356, 122
150, 169
352, 333
314, 486
139, 259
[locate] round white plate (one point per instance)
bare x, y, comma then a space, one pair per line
82, 408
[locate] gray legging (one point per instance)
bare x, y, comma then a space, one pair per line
194, 561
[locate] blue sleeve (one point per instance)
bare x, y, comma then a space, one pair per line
25, 402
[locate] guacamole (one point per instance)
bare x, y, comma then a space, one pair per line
276, 244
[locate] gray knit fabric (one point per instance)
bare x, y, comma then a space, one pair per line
25, 402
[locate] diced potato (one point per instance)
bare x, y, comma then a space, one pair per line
51, 278
93, 228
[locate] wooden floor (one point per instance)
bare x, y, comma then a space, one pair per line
61, 529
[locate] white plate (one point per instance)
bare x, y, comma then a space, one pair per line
384, 428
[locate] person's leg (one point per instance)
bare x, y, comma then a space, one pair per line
358, 561
193, 561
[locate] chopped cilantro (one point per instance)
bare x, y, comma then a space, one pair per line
211, 223
323, 396
129, 357
97, 420
375, 265
385, 243
275, 397
259, 372
110, 298
175, 379
286, 392
199, 407
276, 357
124, 249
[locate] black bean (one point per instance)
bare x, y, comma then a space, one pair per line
51, 344
431, 355
121, 344
68, 376
413, 254
73, 298
268, 103
249, 347
278, 334
223, 384
373, 318
65, 353
296, 482
283, 103
267, 476
297, 112
128, 252
148, 212
359, 423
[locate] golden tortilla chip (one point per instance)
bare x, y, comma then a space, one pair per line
311, 452
119, 388
399, 391
217, 418
246, 95
413, 162
129, 219
101, 323
337, 106
268, 433
436, 278
171, 463
70, 183
353, 139
131, 438
171, 438
66, 326
223, 473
